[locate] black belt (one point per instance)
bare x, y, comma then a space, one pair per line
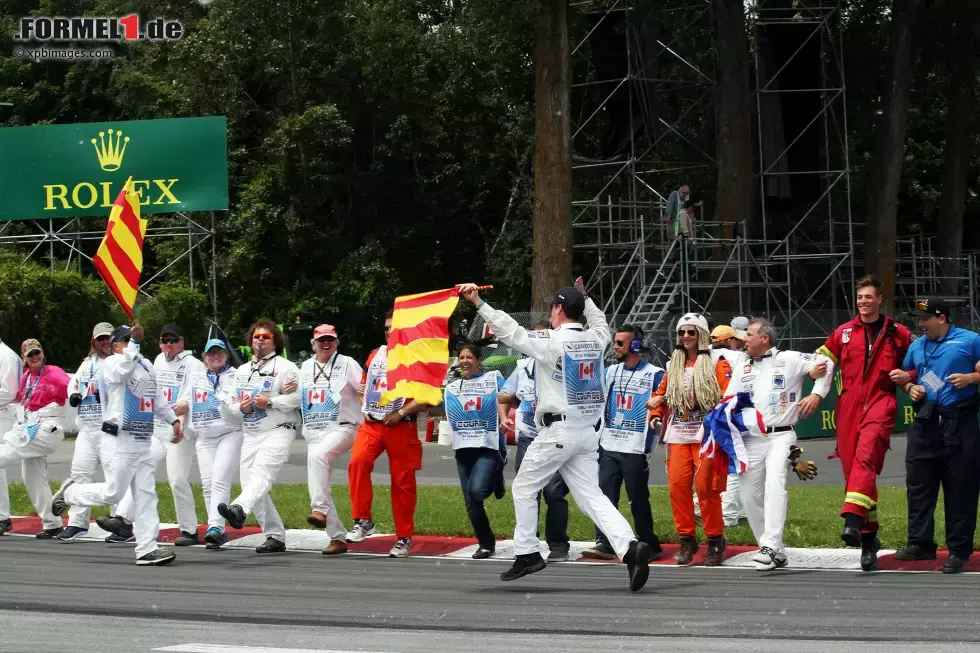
550, 418
779, 429
407, 418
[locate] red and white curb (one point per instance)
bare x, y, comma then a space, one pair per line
462, 548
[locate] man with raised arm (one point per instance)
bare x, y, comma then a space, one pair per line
569, 418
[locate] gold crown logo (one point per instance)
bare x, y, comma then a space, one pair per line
110, 154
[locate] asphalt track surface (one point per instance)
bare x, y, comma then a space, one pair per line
439, 466
91, 597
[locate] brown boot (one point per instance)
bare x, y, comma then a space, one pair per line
317, 519
689, 546
335, 547
716, 551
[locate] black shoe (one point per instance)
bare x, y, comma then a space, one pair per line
58, 505
186, 539
116, 525
214, 539
851, 536
121, 538
49, 533
915, 552
558, 553
601, 551
6, 526
272, 545
954, 564
233, 513
870, 544
526, 563
156, 557
482, 554
637, 561
716, 551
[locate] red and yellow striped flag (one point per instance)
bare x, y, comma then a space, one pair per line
418, 349
120, 256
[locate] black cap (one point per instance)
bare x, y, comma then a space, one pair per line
932, 306
570, 299
172, 329
120, 333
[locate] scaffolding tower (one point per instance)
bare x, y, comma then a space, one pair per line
68, 241
798, 267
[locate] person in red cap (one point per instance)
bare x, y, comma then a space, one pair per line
330, 403
389, 428
865, 349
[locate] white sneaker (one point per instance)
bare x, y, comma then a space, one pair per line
765, 559
401, 548
362, 528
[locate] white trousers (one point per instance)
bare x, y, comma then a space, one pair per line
322, 449
573, 451
218, 458
129, 473
180, 459
5, 425
731, 502
84, 465
262, 456
33, 459
763, 487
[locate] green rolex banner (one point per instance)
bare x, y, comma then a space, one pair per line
58, 171
823, 423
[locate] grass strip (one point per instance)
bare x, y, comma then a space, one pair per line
812, 521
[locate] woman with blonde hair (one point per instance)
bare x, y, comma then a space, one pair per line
693, 385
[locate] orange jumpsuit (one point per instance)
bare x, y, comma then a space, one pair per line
685, 469
404, 448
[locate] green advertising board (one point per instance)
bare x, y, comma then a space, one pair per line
58, 171
823, 423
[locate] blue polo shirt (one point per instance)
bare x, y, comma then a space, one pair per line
956, 352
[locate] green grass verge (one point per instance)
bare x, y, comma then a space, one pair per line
812, 521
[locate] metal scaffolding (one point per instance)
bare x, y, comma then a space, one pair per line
67, 241
800, 269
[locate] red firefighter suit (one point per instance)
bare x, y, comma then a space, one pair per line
865, 412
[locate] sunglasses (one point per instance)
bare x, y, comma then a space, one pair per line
34, 352
102, 338
387, 329
620, 343
169, 341
326, 339
687, 332
261, 336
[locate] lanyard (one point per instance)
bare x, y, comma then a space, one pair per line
935, 350
257, 369
623, 389
215, 377
319, 369
29, 390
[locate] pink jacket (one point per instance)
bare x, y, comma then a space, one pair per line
51, 388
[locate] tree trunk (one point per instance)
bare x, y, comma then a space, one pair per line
737, 188
551, 265
886, 162
956, 151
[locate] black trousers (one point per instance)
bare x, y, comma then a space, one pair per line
632, 470
943, 453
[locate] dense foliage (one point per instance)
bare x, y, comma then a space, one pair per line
375, 146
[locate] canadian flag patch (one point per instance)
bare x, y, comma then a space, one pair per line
586, 370
316, 396
200, 396
473, 403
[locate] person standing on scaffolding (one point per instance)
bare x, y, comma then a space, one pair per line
684, 229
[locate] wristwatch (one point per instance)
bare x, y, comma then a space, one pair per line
268, 403
175, 422
401, 413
